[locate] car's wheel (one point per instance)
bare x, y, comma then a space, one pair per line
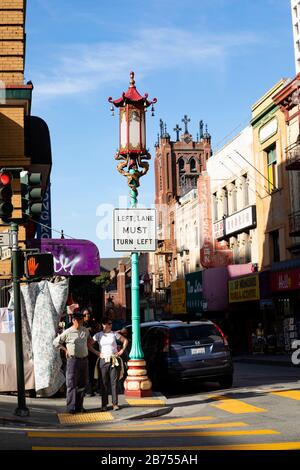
226, 381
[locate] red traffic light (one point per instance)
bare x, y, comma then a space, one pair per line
5, 178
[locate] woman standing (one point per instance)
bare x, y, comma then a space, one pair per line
109, 362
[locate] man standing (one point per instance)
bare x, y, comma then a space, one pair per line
74, 341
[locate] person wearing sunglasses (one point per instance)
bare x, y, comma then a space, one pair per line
109, 360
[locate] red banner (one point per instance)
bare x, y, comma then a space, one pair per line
285, 280
212, 253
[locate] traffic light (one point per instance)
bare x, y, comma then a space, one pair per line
6, 207
39, 265
31, 191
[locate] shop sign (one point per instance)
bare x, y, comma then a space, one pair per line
241, 220
194, 291
178, 296
219, 231
285, 280
244, 289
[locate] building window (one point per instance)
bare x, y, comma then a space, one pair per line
272, 168
192, 165
245, 187
234, 197
225, 201
247, 249
196, 233
181, 165
215, 207
236, 253
275, 247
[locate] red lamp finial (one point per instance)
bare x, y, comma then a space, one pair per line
132, 81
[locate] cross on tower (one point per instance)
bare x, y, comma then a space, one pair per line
161, 125
185, 120
177, 129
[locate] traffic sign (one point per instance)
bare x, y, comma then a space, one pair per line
135, 230
5, 253
39, 265
4, 239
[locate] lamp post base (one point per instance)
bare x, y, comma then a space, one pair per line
137, 383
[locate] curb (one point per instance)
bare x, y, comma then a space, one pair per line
267, 362
14, 421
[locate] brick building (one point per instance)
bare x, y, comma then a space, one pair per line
178, 165
24, 139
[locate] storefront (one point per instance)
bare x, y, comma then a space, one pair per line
285, 287
194, 294
244, 311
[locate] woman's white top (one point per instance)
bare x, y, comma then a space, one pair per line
107, 342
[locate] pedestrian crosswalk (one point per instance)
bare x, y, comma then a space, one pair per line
218, 430
234, 406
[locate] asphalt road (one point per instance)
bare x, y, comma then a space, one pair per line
261, 411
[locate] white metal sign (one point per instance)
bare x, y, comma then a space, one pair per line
4, 238
134, 230
5, 253
243, 219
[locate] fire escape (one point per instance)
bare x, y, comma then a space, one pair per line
293, 164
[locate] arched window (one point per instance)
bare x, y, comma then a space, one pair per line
192, 165
181, 165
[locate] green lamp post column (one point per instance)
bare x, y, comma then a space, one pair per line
132, 154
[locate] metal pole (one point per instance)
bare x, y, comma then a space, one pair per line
21, 410
136, 349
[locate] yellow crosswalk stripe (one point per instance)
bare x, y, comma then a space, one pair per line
294, 445
232, 405
173, 420
293, 394
135, 434
85, 435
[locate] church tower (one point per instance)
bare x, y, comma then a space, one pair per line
178, 164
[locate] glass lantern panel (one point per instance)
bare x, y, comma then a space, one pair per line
143, 132
134, 129
123, 129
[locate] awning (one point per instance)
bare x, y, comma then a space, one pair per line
71, 257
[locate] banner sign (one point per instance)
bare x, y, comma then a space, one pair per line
285, 280
194, 291
244, 289
178, 296
240, 220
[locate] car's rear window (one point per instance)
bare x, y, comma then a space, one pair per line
194, 333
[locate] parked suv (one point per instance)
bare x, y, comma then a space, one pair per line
175, 350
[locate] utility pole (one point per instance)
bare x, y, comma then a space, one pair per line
21, 410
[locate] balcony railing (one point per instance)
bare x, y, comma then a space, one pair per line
294, 224
293, 157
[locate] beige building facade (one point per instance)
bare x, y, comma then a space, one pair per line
272, 180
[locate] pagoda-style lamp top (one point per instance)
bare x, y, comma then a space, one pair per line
132, 119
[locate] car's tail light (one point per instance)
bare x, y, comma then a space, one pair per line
166, 346
221, 334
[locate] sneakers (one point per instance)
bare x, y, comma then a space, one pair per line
104, 408
116, 407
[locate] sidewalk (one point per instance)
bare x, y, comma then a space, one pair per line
267, 359
50, 412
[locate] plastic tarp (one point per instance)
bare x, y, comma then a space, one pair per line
42, 304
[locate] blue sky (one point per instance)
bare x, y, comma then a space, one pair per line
210, 59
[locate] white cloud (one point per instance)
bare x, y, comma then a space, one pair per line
83, 67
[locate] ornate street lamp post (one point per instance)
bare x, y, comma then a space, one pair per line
147, 294
132, 153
